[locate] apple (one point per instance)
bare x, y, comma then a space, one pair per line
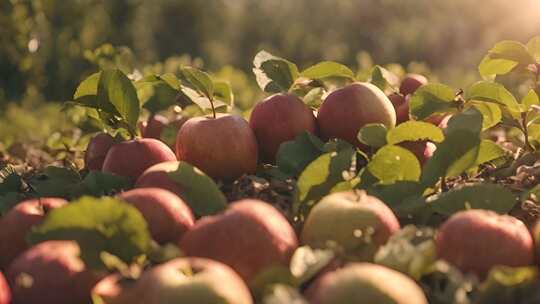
5, 293
411, 82
280, 118
157, 176
191, 280
401, 105
250, 236
17, 223
365, 283
116, 289
345, 111
96, 151
476, 240
131, 158
167, 215
356, 222
153, 127
223, 147
423, 150
51, 273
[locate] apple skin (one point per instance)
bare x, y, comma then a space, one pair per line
476, 240
280, 118
96, 151
225, 148
411, 82
157, 176
249, 236
345, 111
365, 283
167, 215
115, 289
17, 223
153, 127
5, 293
58, 275
131, 158
338, 216
191, 280
423, 150
401, 105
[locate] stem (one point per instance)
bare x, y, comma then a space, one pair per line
213, 108
525, 131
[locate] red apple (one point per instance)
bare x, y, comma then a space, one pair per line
249, 237
191, 280
411, 82
423, 150
115, 289
167, 215
153, 127
223, 147
158, 176
280, 118
131, 158
476, 240
345, 111
5, 293
356, 222
17, 223
365, 283
51, 273
96, 151
401, 105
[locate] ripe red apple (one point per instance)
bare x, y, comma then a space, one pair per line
96, 151
167, 215
17, 223
115, 289
411, 82
191, 280
153, 127
356, 222
280, 118
423, 150
249, 236
157, 176
401, 105
51, 273
476, 240
223, 147
5, 293
131, 158
365, 283
345, 111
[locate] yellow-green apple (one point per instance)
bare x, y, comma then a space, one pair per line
157, 176
356, 222
153, 127
345, 111
223, 147
131, 158
167, 215
255, 234
96, 151
116, 289
423, 150
365, 283
191, 280
51, 273
411, 82
5, 293
476, 240
277, 119
17, 223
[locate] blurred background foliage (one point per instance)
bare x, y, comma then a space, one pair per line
48, 46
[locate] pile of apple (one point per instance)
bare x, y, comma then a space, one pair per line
227, 252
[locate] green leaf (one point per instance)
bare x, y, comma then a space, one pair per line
116, 90
530, 99
88, 87
327, 69
414, 131
506, 284
383, 78
489, 66
492, 92
98, 225
533, 46
397, 196
10, 180
373, 135
97, 183
481, 196
491, 114
470, 120
155, 93
431, 98
504, 57
293, 156
393, 163
223, 92
55, 182
306, 262
199, 190
274, 74
199, 81
488, 151
314, 97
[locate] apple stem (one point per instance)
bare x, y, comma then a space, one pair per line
213, 108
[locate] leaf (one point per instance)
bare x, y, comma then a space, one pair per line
488, 151
530, 99
398, 195
491, 114
97, 225
481, 196
504, 57
327, 69
116, 89
383, 78
10, 180
155, 93
489, 66
306, 262
88, 87
223, 92
431, 98
55, 182
373, 135
274, 74
393, 163
314, 97
199, 190
199, 81
283, 294
293, 156
533, 46
492, 92
97, 183
506, 284
471, 120
414, 131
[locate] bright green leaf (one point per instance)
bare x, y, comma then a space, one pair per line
116, 89
383, 78
88, 87
491, 114
223, 92
199, 81
530, 99
393, 163
414, 131
492, 92
431, 98
373, 135
327, 69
